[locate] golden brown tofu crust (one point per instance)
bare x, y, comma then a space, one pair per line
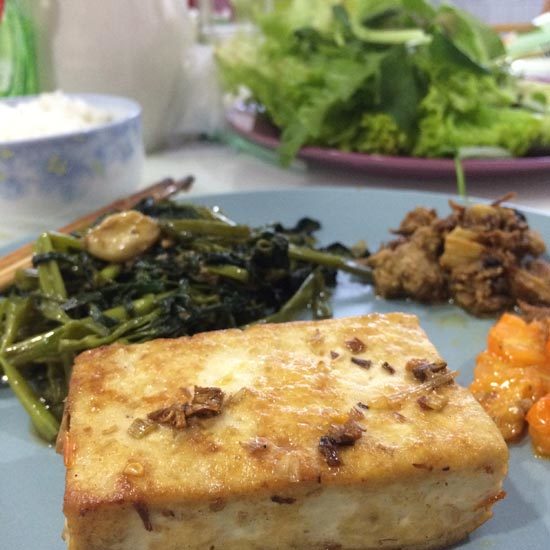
285, 386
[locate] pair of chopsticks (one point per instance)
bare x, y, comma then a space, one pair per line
22, 257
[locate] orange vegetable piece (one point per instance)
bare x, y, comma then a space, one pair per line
489, 365
513, 373
506, 393
519, 342
539, 425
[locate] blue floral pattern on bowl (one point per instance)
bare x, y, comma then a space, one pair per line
75, 172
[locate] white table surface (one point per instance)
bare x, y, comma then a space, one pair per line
219, 169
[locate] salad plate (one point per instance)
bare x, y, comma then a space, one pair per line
32, 474
247, 123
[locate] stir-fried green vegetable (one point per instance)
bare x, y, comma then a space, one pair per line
384, 76
203, 272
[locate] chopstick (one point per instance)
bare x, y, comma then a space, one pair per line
22, 257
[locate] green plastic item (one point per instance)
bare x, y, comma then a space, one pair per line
18, 70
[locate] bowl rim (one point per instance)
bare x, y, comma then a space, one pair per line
133, 112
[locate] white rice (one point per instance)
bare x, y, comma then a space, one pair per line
47, 115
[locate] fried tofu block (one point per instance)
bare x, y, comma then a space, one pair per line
339, 434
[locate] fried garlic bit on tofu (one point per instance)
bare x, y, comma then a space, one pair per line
345, 433
481, 256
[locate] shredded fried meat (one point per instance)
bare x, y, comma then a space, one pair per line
204, 403
173, 416
483, 257
355, 345
424, 370
339, 435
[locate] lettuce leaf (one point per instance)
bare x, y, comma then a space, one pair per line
467, 110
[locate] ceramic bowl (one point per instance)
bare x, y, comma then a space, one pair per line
57, 178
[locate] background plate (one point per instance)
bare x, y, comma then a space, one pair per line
256, 129
31, 474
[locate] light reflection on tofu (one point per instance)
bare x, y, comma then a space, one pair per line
316, 444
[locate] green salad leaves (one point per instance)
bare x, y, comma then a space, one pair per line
396, 77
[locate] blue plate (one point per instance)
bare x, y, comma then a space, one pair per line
31, 474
